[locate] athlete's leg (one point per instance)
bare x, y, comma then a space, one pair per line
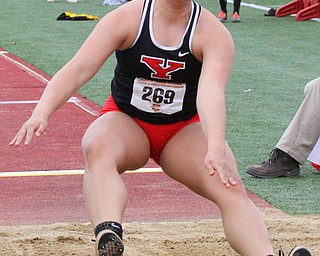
112, 144
183, 160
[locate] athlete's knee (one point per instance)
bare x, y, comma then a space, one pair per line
239, 190
93, 146
98, 156
232, 196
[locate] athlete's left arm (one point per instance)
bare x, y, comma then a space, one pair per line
214, 46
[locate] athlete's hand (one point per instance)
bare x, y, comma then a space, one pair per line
32, 126
215, 164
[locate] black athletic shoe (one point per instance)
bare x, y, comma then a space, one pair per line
280, 164
108, 243
297, 251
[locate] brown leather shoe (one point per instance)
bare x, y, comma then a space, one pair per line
280, 164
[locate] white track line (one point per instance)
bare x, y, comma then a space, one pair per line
24, 102
18, 102
74, 100
3, 53
77, 102
65, 172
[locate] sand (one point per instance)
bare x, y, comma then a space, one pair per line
205, 237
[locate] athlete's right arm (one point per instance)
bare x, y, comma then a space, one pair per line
111, 33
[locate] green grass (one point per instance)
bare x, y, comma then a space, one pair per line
275, 58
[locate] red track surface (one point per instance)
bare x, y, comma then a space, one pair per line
49, 199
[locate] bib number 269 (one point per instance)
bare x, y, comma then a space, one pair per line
158, 95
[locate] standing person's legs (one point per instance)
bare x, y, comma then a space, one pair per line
236, 6
183, 160
222, 15
111, 145
303, 131
223, 5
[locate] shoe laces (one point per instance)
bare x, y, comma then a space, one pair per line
274, 156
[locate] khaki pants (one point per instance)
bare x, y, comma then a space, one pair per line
303, 131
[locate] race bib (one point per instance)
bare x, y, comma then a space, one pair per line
158, 97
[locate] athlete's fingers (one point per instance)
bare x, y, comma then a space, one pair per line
27, 131
13, 141
29, 135
233, 182
210, 169
41, 130
20, 136
224, 174
224, 178
24, 133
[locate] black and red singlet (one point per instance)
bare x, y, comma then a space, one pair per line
155, 83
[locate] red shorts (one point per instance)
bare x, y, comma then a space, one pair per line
158, 135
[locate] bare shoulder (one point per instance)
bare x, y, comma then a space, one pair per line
209, 23
132, 9
210, 35
123, 21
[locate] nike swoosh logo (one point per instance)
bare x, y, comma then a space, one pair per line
115, 226
180, 54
